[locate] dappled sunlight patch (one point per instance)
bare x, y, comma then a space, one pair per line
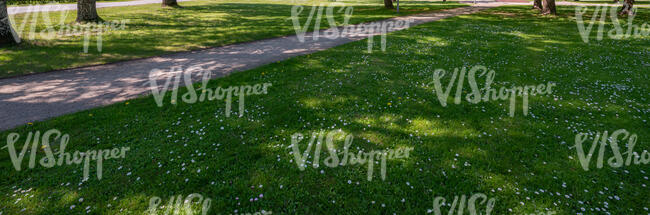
556, 42
433, 41
522, 35
424, 127
44, 199
536, 49
374, 138
507, 14
318, 103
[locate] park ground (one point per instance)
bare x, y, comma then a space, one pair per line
385, 99
152, 30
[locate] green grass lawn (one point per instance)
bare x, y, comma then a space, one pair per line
386, 100
153, 30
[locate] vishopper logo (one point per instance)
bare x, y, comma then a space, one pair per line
206, 93
459, 204
367, 29
331, 33
318, 139
192, 204
49, 160
488, 92
36, 14
618, 159
618, 32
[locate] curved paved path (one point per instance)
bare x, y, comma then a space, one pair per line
41, 96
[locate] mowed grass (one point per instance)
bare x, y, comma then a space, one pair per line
607, 2
386, 101
152, 30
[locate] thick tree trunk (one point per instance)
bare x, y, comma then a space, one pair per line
627, 8
549, 7
537, 4
170, 3
388, 4
87, 11
7, 34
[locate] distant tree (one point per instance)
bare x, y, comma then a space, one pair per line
388, 4
87, 11
549, 7
170, 3
627, 8
6, 32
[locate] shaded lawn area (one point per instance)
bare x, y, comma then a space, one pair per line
44, 2
153, 30
386, 100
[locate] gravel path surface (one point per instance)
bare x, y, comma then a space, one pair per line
41, 96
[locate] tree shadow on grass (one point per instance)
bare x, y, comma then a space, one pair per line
349, 89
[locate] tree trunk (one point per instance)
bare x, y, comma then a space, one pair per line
549, 7
537, 4
388, 4
7, 34
627, 8
170, 3
87, 11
